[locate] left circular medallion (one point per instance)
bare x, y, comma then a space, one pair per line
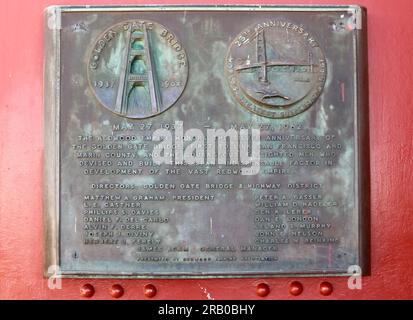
137, 69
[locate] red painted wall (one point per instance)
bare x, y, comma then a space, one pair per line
21, 148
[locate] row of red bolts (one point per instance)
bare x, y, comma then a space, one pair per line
150, 291
296, 289
116, 291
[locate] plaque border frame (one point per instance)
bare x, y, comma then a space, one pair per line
51, 171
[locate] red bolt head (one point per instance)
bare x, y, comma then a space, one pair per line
150, 291
296, 288
326, 288
263, 290
117, 291
87, 291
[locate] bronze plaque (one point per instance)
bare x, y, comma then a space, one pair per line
206, 141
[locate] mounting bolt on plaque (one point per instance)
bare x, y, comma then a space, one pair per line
326, 288
296, 288
87, 291
263, 290
150, 291
117, 291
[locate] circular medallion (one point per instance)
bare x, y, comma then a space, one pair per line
138, 69
276, 69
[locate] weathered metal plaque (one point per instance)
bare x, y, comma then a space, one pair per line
205, 141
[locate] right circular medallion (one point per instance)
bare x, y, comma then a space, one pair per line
276, 69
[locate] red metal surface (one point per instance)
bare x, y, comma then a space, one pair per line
21, 147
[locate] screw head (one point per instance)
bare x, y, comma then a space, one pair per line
296, 288
117, 291
150, 291
87, 291
263, 290
326, 288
